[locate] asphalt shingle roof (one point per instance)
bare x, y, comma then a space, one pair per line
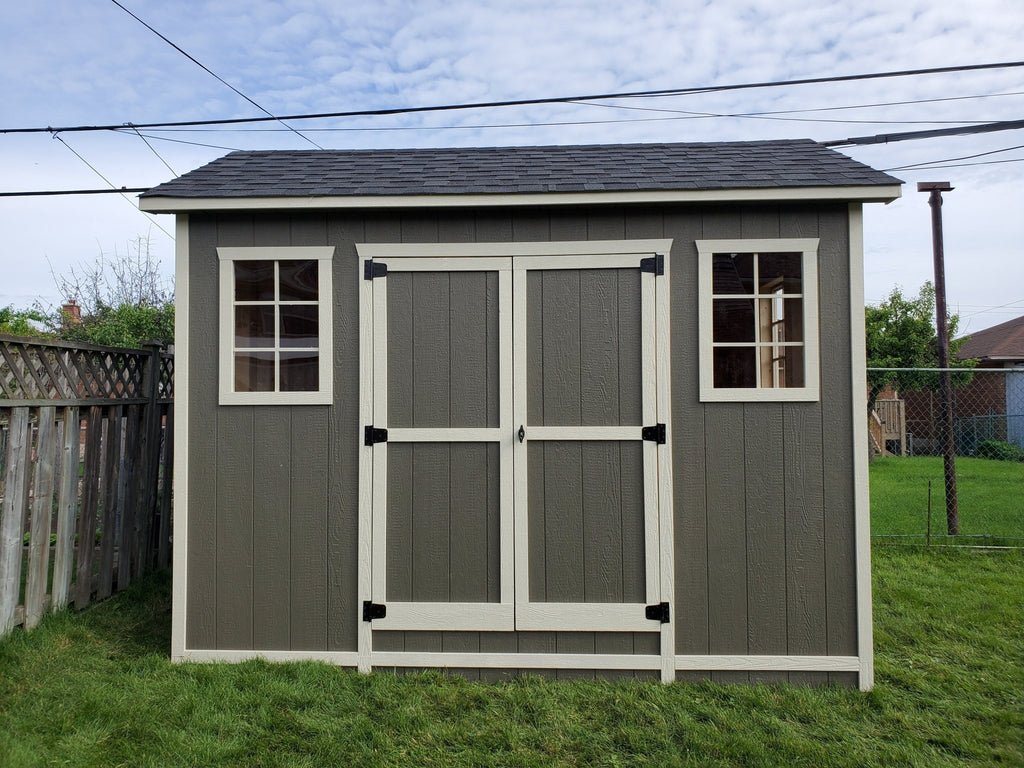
510, 170
1000, 342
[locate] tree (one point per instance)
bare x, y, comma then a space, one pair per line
124, 300
901, 334
22, 322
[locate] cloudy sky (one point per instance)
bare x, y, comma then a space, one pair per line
87, 62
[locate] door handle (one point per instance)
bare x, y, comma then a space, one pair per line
522, 433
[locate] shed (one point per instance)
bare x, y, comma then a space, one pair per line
571, 410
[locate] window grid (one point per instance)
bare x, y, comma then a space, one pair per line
768, 311
276, 348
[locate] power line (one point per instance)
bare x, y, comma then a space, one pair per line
885, 138
94, 170
953, 159
205, 68
530, 102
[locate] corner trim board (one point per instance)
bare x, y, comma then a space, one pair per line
862, 501
179, 554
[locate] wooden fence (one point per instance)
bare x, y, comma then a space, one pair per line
86, 459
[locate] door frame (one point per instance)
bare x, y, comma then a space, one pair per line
506, 258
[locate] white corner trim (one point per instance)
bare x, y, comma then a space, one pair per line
365, 529
179, 554
878, 194
862, 498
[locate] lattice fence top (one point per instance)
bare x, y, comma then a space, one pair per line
48, 371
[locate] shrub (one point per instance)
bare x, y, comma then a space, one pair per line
997, 449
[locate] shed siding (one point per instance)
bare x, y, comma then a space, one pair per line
764, 526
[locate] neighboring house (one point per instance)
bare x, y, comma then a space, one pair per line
566, 409
989, 407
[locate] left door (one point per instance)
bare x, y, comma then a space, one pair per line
442, 479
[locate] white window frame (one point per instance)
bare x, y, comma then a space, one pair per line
324, 256
807, 247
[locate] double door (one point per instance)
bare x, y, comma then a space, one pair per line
514, 440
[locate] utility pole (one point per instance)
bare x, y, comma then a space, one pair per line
935, 190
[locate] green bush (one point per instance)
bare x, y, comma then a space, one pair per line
997, 449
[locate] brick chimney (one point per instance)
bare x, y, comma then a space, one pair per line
72, 313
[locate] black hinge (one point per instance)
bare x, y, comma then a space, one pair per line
373, 435
657, 612
372, 269
655, 434
655, 264
372, 610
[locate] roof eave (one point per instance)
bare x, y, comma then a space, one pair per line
156, 203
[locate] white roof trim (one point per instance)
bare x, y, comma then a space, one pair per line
882, 194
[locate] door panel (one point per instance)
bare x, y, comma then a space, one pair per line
438, 542
586, 483
583, 347
514, 490
586, 522
443, 519
442, 349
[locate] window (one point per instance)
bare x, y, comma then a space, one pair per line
275, 325
758, 319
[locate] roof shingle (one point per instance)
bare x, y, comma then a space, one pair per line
510, 170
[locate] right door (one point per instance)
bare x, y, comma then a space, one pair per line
586, 479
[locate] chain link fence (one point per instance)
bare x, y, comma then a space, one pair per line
911, 488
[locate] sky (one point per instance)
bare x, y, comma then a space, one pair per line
68, 63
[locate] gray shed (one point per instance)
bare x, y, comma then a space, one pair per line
572, 410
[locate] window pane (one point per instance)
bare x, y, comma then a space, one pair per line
734, 367
733, 320
299, 325
254, 281
781, 320
300, 372
779, 270
298, 280
732, 273
782, 366
254, 326
254, 372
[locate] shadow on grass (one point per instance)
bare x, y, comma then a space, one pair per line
139, 618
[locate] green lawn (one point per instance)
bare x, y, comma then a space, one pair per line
990, 497
97, 689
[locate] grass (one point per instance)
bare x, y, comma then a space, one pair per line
990, 497
97, 689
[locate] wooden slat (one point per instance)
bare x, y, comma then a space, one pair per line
90, 502
111, 486
67, 507
163, 541
129, 495
42, 510
15, 499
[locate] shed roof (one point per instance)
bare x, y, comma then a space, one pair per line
1000, 342
541, 170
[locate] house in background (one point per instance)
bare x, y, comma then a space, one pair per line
989, 407
572, 410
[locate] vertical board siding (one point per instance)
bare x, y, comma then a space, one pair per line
308, 529
271, 528
764, 527
689, 457
343, 467
840, 562
201, 619
234, 578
